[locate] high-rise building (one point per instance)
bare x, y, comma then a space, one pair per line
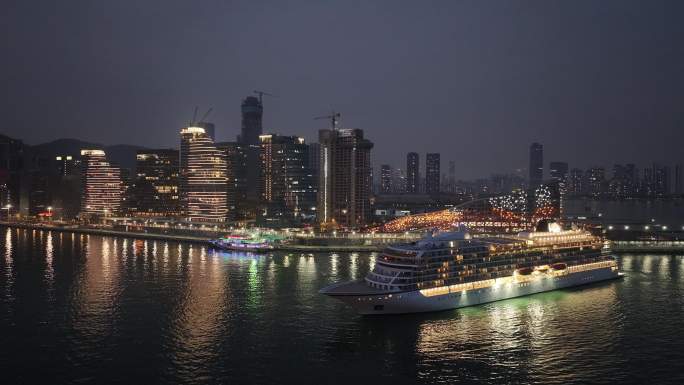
412, 173
66, 188
209, 129
678, 179
386, 179
536, 165
11, 171
155, 185
432, 173
102, 188
624, 181
314, 157
203, 177
249, 172
596, 181
235, 191
558, 171
344, 179
288, 195
575, 182
451, 181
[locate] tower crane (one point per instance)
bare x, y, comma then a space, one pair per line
262, 93
334, 119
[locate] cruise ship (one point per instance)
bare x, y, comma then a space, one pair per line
453, 269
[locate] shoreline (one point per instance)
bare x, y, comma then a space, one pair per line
185, 238
616, 246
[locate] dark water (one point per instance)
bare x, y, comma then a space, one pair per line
669, 212
88, 309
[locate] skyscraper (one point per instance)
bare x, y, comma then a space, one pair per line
596, 177
344, 178
102, 189
249, 172
678, 179
536, 165
432, 173
452, 177
155, 190
203, 177
385, 179
558, 171
575, 182
235, 156
412, 173
288, 194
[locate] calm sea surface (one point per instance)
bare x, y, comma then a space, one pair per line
90, 309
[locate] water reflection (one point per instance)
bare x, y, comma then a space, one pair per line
196, 315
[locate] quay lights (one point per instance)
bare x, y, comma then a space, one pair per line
646, 227
610, 227
626, 227
664, 227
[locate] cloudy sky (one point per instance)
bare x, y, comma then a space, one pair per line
597, 82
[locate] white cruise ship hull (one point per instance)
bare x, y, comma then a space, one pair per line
416, 302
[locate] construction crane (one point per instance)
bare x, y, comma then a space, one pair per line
334, 119
194, 115
262, 93
206, 114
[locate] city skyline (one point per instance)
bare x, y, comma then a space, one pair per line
550, 92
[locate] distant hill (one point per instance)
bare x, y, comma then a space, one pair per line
121, 154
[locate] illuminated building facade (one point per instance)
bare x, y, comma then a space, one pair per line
386, 179
344, 178
102, 189
596, 181
575, 184
288, 194
203, 177
432, 170
155, 190
412, 173
558, 173
536, 165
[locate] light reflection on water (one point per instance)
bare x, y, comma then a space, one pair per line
93, 309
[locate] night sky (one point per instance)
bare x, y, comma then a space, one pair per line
597, 82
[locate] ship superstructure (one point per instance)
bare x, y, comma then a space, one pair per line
454, 269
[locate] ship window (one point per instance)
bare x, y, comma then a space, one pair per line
379, 307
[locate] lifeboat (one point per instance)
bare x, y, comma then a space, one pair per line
559, 266
525, 271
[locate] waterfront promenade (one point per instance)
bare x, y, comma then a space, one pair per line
625, 242
297, 243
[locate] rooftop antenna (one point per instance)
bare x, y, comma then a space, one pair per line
334, 119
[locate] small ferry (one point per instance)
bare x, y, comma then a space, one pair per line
454, 269
255, 241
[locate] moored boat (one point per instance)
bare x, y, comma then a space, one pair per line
454, 269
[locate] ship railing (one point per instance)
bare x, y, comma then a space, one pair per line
591, 266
